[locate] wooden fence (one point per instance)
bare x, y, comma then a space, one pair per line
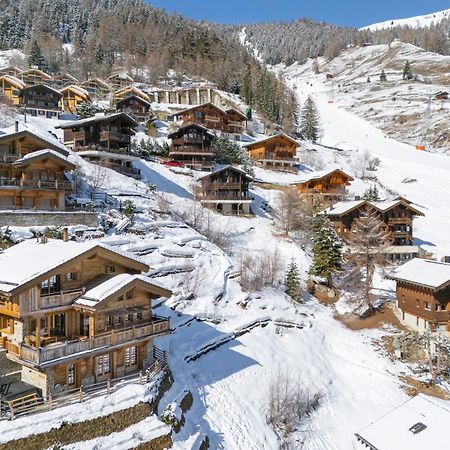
33, 404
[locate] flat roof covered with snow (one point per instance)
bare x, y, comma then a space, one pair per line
418, 424
424, 272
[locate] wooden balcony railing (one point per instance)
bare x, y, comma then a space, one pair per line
226, 197
222, 185
113, 136
8, 158
158, 325
36, 184
63, 298
399, 221
190, 149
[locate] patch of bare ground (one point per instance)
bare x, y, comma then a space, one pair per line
384, 316
413, 387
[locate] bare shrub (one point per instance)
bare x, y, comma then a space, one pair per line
98, 177
260, 270
289, 404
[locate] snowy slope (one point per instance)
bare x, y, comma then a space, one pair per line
414, 22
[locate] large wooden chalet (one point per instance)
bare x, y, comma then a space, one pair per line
423, 295
325, 186
136, 107
63, 80
10, 87
226, 190
191, 146
398, 215
119, 80
12, 71
32, 170
40, 100
104, 140
72, 97
97, 88
75, 313
277, 152
32, 77
210, 116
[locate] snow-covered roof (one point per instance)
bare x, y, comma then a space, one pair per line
75, 87
273, 136
99, 118
109, 287
344, 207
395, 431
319, 174
120, 76
33, 132
191, 125
424, 272
45, 153
42, 86
40, 72
13, 80
225, 167
95, 80
24, 262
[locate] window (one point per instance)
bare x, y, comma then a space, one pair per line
130, 356
418, 303
71, 374
138, 316
118, 320
427, 305
129, 294
51, 286
103, 364
110, 269
109, 321
71, 276
129, 318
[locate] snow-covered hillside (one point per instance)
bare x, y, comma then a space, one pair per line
396, 106
414, 22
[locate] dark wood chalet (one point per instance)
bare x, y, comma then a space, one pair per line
214, 118
40, 100
398, 215
191, 146
277, 152
136, 107
423, 295
226, 190
104, 140
76, 313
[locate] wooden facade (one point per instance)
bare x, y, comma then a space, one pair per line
119, 81
72, 97
40, 100
191, 146
32, 172
214, 118
424, 304
226, 190
104, 140
33, 77
97, 88
63, 80
277, 152
85, 320
12, 71
136, 107
10, 87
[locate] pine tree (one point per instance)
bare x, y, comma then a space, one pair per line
129, 209
309, 121
292, 282
85, 110
36, 58
371, 194
368, 240
407, 71
327, 248
246, 91
383, 77
227, 151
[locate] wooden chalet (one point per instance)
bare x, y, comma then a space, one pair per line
136, 107
214, 118
104, 140
129, 91
398, 215
97, 88
76, 313
10, 88
226, 190
191, 146
277, 152
423, 295
12, 71
32, 172
72, 97
40, 100
63, 80
33, 77
324, 186
119, 81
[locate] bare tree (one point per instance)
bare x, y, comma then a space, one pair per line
98, 177
368, 240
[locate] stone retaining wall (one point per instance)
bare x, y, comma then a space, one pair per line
42, 218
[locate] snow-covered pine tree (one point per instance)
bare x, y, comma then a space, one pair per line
36, 58
368, 240
292, 281
383, 77
227, 151
85, 110
309, 121
407, 71
371, 194
327, 248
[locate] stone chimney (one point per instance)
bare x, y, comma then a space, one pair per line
65, 234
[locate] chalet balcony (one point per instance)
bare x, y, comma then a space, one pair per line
190, 149
9, 158
62, 298
36, 184
114, 137
79, 344
79, 135
399, 221
229, 197
223, 185
101, 148
187, 140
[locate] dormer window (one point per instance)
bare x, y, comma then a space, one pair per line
51, 286
110, 269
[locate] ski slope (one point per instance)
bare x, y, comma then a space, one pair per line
399, 162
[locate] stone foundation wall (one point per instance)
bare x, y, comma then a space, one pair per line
42, 218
